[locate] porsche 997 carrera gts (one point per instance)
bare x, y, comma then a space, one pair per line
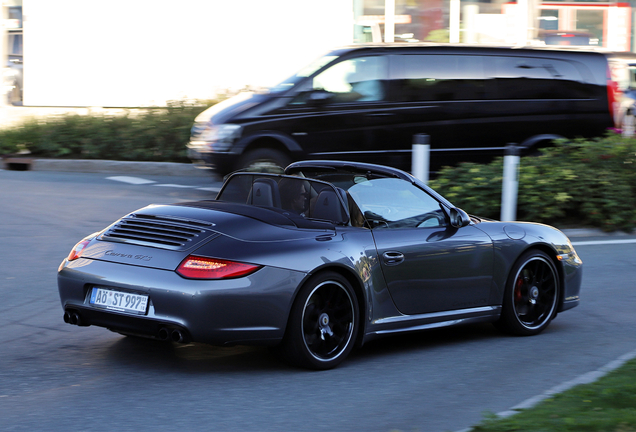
314, 262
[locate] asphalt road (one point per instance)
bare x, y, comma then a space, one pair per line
58, 377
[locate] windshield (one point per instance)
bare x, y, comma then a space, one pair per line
289, 195
382, 200
396, 203
303, 73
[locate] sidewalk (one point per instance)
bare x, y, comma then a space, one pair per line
105, 166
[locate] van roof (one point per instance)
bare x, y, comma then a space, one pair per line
474, 47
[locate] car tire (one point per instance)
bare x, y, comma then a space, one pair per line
323, 323
264, 160
531, 296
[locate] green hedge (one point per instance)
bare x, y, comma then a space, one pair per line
575, 183
145, 134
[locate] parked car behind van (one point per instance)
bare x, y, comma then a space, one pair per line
366, 102
623, 70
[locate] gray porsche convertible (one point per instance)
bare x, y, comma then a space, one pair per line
314, 262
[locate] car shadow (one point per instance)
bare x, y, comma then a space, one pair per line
427, 339
144, 354
133, 352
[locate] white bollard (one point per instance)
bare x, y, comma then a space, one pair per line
510, 184
420, 157
628, 125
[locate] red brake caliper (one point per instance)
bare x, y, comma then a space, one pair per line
518, 286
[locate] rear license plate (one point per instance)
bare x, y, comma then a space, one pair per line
119, 301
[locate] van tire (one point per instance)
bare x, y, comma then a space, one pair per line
264, 160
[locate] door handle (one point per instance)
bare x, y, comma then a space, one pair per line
380, 114
393, 257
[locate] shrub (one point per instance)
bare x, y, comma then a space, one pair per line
578, 182
148, 134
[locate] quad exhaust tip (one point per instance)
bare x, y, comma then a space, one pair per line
72, 318
177, 336
174, 335
164, 334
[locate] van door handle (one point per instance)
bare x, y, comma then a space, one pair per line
380, 115
393, 257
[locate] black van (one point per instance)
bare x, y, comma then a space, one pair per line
366, 102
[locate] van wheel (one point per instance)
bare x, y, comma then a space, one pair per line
264, 160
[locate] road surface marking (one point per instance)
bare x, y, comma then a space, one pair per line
131, 180
210, 189
174, 185
603, 242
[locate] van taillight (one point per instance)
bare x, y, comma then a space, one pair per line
613, 96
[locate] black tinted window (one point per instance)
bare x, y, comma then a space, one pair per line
438, 77
537, 78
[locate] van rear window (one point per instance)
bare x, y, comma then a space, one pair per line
537, 78
422, 77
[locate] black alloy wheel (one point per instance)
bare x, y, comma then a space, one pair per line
532, 295
323, 323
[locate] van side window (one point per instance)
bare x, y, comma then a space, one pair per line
360, 79
538, 78
438, 77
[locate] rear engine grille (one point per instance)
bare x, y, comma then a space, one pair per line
158, 231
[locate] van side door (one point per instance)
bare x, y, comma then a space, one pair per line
442, 95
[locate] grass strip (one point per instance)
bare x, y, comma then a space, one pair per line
608, 404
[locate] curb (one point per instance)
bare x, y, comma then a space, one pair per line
106, 166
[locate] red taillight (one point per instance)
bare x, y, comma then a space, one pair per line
77, 250
196, 267
613, 95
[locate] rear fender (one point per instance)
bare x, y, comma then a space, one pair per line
534, 141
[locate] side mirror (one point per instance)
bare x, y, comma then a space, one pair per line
459, 218
318, 97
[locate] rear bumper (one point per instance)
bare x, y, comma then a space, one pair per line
249, 310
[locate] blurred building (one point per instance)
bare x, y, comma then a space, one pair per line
606, 24
122, 53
